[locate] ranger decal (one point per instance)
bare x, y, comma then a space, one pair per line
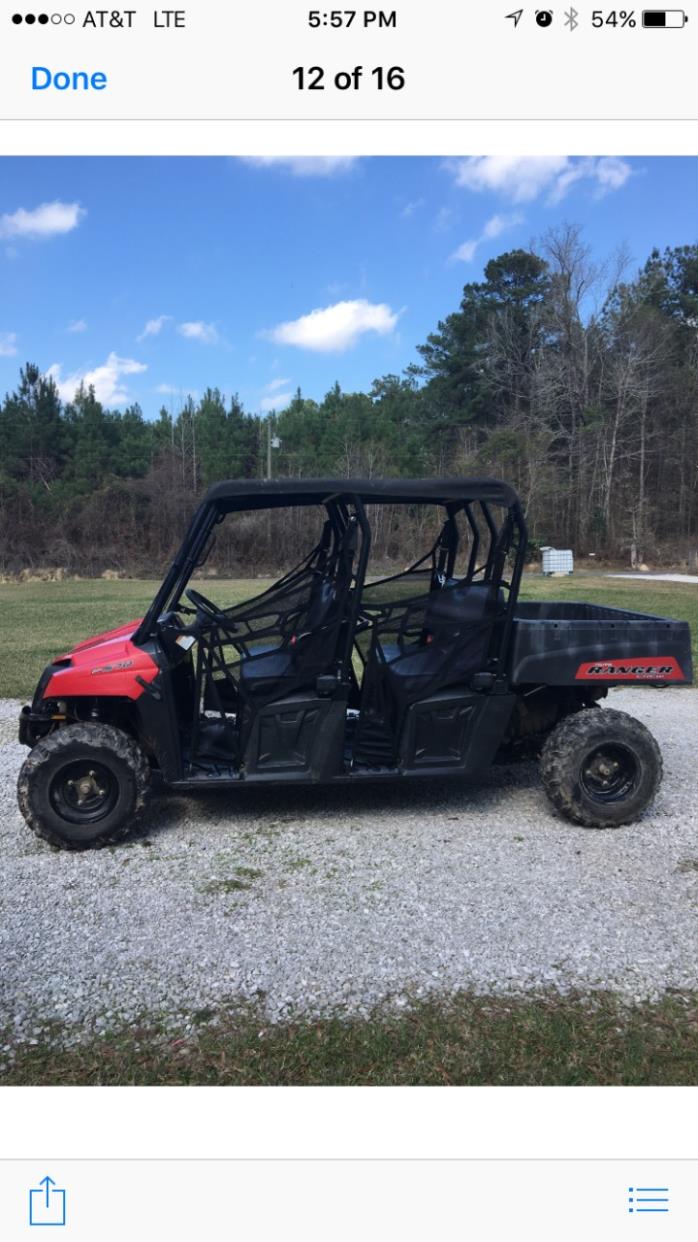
638, 668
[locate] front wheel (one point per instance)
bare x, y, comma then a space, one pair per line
83, 786
601, 768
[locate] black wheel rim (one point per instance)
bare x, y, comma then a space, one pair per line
610, 773
84, 792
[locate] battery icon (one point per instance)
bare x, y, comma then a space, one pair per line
664, 19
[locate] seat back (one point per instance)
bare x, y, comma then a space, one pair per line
309, 638
454, 641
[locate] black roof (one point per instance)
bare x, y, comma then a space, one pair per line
275, 493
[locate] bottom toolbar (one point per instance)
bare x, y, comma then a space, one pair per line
316, 1200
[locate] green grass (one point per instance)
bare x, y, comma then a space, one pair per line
226, 886
43, 619
470, 1041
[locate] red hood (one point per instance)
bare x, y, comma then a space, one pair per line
122, 631
106, 664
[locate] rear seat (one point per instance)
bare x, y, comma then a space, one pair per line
449, 611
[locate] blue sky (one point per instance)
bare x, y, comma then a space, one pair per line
157, 277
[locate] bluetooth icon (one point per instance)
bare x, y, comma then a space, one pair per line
571, 19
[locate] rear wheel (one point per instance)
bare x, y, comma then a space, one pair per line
601, 768
83, 786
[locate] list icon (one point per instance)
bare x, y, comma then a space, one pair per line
648, 1199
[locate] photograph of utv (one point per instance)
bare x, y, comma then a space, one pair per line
333, 676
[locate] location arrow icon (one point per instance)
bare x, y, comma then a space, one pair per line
515, 17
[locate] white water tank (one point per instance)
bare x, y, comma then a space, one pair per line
557, 561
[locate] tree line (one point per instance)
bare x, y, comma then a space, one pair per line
576, 383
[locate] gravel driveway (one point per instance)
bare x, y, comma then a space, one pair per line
313, 901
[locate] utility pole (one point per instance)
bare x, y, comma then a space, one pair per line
273, 442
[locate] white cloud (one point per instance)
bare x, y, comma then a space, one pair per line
612, 173
305, 165
153, 327
494, 227
48, 220
410, 208
444, 219
171, 390
466, 252
278, 402
525, 178
77, 325
106, 380
521, 178
276, 395
497, 225
8, 344
205, 333
333, 329
606, 175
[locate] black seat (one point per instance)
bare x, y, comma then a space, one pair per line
311, 648
454, 642
305, 647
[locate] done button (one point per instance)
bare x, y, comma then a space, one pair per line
44, 79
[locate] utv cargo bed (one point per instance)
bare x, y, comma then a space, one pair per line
563, 644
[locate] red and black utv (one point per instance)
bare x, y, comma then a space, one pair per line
333, 676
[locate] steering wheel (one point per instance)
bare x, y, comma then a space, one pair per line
204, 605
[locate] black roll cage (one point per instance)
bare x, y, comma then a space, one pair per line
455, 495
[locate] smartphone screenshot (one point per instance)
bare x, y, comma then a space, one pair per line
349, 611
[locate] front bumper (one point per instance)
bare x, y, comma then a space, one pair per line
36, 721
33, 726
